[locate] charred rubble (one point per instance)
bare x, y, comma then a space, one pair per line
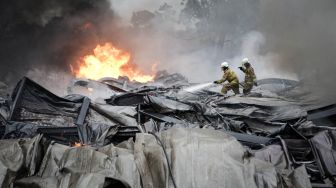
169, 133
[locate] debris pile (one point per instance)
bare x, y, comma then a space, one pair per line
167, 133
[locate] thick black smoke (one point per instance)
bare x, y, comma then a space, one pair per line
297, 37
50, 34
41, 34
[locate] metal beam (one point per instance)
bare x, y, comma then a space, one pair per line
17, 97
81, 126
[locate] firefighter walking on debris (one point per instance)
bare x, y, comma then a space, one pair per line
250, 77
229, 76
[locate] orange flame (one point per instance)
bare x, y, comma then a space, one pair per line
77, 144
109, 61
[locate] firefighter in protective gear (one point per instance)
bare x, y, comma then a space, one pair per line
229, 76
250, 77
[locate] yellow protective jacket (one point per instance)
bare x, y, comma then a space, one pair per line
250, 76
230, 76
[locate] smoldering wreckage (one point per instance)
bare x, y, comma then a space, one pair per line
166, 133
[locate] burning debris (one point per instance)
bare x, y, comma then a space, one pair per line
123, 123
108, 61
150, 135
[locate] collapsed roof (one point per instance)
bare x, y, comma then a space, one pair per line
169, 133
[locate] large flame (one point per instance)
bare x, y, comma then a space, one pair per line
109, 61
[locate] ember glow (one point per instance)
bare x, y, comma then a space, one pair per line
109, 61
77, 144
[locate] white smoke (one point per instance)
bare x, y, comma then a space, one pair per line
265, 64
179, 47
164, 43
126, 8
55, 81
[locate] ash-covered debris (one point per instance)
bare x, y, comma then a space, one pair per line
168, 133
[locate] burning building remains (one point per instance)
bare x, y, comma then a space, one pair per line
115, 94
165, 133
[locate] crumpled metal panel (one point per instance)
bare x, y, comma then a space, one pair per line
164, 105
34, 104
202, 158
325, 145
